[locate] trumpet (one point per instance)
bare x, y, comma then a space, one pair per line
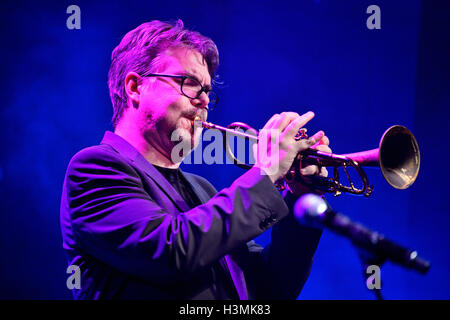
397, 156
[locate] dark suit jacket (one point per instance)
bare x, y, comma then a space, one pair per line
134, 237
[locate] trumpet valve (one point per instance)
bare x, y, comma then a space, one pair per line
301, 134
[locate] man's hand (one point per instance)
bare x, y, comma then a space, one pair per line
297, 187
277, 148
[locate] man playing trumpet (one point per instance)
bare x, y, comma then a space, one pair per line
140, 228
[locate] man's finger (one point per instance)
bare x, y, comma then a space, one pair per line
271, 121
309, 170
304, 144
293, 127
314, 170
322, 147
285, 119
323, 172
323, 141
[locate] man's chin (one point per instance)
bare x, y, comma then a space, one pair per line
191, 134
182, 144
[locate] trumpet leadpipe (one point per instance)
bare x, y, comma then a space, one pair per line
208, 125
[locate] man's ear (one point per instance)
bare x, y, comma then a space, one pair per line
133, 87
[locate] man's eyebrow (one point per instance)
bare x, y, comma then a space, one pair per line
187, 73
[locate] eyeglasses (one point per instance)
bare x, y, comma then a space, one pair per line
191, 88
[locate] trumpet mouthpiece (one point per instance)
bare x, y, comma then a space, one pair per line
197, 121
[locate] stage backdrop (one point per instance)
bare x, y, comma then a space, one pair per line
275, 56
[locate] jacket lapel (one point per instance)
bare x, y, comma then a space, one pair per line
231, 267
162, 183
197, 188
237, 275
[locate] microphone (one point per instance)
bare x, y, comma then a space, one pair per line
312, 210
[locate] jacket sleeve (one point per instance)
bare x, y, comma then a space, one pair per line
280, 270
114, 219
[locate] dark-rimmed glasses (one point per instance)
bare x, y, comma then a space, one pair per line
191, 88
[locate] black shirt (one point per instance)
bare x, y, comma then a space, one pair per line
183, 187
218, 270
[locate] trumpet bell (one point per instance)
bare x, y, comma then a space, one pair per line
399, 157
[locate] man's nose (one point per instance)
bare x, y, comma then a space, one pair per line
202, 101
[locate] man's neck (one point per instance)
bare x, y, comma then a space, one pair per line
151, 152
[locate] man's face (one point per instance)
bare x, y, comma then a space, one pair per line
164, 109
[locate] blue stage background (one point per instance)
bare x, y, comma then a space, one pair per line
275, 56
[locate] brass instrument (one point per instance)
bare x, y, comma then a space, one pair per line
397, 156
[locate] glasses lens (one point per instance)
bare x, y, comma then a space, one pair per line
191, 87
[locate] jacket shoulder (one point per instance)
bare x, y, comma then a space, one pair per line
99, 159
97, 152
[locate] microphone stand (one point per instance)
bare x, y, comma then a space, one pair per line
373, 248
367, 259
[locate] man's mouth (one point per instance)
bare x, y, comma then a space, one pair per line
196, 121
